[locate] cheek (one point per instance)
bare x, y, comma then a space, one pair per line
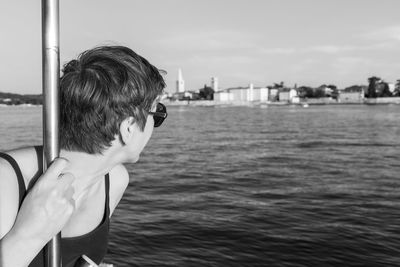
146, 134
149, 128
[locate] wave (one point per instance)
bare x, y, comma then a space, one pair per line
314, 144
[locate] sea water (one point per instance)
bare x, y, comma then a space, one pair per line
251, 186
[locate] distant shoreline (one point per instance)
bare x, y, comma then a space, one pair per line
313, 102
20, 105
211, 103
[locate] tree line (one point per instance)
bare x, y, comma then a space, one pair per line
376, 88
18, 99
379, 88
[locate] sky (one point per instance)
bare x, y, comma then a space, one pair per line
303, 42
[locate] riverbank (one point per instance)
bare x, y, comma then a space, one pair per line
19, 105
367, 101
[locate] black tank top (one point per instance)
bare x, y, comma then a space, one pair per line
92, 244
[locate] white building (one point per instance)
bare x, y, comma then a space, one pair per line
223, 96
392, 87
239, 94
242, 94
260, 94
214, 83
180, 83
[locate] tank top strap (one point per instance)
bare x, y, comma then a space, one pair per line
107, 187
39, 154
20, 178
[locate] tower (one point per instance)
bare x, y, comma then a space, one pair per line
214, 83
250, 95
180, 83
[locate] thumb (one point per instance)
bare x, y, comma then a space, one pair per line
56, 167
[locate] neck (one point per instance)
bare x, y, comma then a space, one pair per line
88, 169
86, 166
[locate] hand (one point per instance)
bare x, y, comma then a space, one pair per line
48, 206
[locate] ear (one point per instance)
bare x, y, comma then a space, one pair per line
127, 129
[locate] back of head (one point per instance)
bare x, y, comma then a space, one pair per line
100, 89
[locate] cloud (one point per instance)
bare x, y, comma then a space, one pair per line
352, 68
331, 49
338, 49
214, 43
278, 50
391, 33
209, 40
350, 62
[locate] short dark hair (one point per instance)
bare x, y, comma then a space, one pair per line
100, 89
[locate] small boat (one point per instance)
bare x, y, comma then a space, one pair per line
305, 105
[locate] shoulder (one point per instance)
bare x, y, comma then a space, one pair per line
119, 180
9, 197
9, 190
27, 161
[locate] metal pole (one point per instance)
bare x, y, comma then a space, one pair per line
50, 83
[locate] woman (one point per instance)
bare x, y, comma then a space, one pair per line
108, 109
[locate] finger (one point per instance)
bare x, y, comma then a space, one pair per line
73, 205
56, 168
65, 180
69, 209
69, 193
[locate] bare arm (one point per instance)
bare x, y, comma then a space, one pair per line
43, 213
18, 251
11, 245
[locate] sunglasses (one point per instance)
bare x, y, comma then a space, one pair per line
159, 115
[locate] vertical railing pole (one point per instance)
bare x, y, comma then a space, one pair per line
50, 83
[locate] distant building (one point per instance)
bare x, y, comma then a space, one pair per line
273, 94
187, 95
242, 94
260, 94
223, 96
351, 96
356, 88
239, 94
250, 94
288, 95
190, 95
180, 83
295, 99
392, 87
214, 83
